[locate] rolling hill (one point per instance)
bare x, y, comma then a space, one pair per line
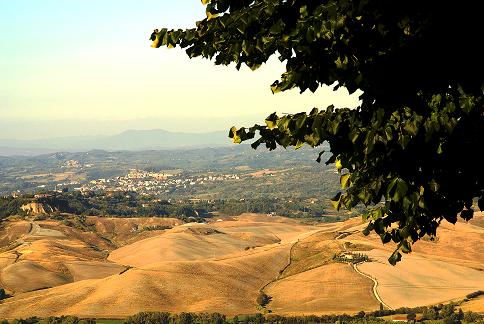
221, 267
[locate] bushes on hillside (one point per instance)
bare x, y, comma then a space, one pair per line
475, 294
3, 294
471, 317
263, 299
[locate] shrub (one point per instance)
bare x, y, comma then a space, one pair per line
3, 294
471, 317
447, 310
475, 294
430, 314
263, 299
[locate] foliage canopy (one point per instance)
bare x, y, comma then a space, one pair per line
411, 149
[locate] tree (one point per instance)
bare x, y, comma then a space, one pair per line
149, 318
411, 317
430, 314
184, 318
263, 299
460, 314
407, 151
471, 317
447, 310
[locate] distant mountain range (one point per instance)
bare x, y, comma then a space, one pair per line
130, 140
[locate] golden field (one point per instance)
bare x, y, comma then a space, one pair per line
110, 268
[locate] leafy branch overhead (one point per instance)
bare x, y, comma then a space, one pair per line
411, 150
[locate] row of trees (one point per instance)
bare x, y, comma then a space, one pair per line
445, 313
128, 204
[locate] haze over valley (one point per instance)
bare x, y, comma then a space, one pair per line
131, 140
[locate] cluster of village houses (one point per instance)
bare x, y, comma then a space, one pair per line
145, 182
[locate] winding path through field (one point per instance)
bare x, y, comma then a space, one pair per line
355, 266
375, 285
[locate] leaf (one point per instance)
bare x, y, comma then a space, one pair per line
275, 87
300, 121
411, 127
439, 149
211, 16
298, 145
364, 195
338, 165
401, 190
406, 246
353, 135
395, 257
397, 189
467, 214
234, 136
336, 201
344, 181
376, 213
277, 27
156, 42
367, 229
386, 237
271, 121
450, 216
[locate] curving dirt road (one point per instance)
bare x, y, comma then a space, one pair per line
355, 266
375, 285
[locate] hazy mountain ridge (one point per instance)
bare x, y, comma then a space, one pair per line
130, 140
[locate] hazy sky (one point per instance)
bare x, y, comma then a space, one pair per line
86, 67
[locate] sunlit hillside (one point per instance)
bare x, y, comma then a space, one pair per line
109, 269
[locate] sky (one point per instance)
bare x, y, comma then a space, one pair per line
73, 68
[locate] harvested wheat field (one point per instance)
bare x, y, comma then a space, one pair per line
114, 268
123, 231
12, 231
229, 286
27, 275
474, 305
445, 269
329, 289
197, 242
208, 241
417, 281
45, 257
